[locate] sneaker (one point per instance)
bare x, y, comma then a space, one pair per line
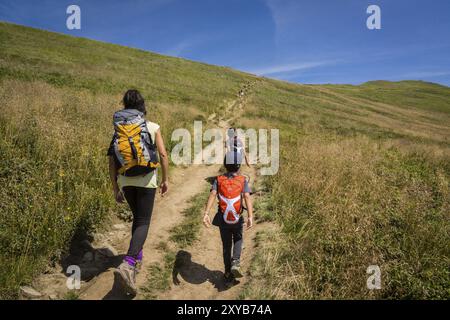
127, 277
230, 280
228, 277
236, 269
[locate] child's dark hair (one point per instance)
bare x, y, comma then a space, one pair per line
134, 100
232, 161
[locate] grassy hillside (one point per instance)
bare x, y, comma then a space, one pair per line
364, 180
58, 94
364, 175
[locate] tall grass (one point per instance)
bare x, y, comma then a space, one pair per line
348, 204
349, 195
52, 173
53, 170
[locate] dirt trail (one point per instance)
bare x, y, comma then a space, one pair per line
200, 269
166, 214
201, 277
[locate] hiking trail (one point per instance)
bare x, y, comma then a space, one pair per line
200, 273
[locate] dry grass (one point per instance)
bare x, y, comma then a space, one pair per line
350, 203
54, 171
363, 180
53, 182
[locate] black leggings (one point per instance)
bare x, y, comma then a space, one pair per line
141, 202
231, 239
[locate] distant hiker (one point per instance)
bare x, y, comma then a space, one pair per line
235, 144
231, 189
133, 161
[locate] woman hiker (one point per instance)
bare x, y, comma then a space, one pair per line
133, 159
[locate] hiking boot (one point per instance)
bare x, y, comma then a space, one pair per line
236, 269
127, 277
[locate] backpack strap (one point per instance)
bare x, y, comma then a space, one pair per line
133, 148
241, 179
218, 179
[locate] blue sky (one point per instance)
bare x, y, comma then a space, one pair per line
321, 41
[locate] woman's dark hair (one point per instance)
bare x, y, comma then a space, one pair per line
133, 100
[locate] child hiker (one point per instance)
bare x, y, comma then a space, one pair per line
231, 189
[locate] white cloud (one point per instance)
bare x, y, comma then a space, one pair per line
289, 68
185, 45
285, 13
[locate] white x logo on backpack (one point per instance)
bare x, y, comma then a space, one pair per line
230, 208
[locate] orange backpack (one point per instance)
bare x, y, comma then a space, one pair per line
229, 191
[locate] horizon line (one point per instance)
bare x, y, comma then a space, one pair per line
261, 76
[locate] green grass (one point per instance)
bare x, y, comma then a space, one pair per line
263, 202
72, 295
187, 231
159, 278
357, 186
364, 170
406, 94
63, 61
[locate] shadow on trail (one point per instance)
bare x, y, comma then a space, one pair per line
196, 273
100, 263
91, 261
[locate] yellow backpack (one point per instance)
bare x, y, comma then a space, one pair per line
134, 149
